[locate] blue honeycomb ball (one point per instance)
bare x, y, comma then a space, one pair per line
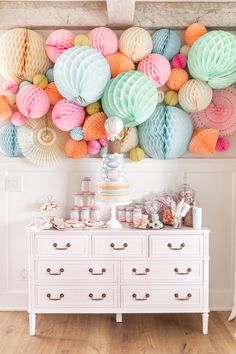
9, 145
50, 75
166, 42
166, 134
103, 151
77, 133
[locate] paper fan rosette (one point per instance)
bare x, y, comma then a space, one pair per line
220, 114
41, 142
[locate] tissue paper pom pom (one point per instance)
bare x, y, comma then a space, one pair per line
77, 134
53, 93
49, 75
57, 42
67, 115
171, 98
93, 108
135, 43
11, 100
9, 144
75, 149
184, 50
93, 127
179, 61
93, 147
104, 40
103, 151
103, 141
156, 67
18, 119
81, 40
128, 139
5, 110
222, 144
177, 79
10, 87
77, 84
40, 81
113, 126
193, 32
195, 96
136, 154
119, 63
32, 101
24, 83
166, 42
204, 141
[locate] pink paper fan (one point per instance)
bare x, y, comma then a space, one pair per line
220, 114
57, 42
104, 40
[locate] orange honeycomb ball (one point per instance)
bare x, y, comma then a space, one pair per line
53, 93
119, 63
75, 149
177, 79
193, 32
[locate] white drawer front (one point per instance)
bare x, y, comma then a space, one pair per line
58, 246
150, 271
119, 247
169, 296
76, 296
68, 271
176, 246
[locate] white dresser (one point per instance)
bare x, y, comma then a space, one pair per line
119, 271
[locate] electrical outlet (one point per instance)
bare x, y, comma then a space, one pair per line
14, 183
24, 274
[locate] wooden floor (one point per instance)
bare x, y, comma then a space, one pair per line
99, 334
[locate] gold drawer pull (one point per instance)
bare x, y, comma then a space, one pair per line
176, 248
147, 270
55, 298
183, 298
119, 248
61, 248
101, 273
146, 296
97, 298
183, 273
59, 273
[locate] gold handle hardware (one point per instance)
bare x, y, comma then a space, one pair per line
101, 273
183, 273
183, 298
97, 298
176, 248
119, 248
61, 248
59, 273
146, 296
147, 270
55, 298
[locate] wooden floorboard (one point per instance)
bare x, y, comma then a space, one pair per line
99, 334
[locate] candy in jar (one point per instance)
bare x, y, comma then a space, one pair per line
74, 214
167, 217
121, 214
85, 184
85, 214
137, 215
95, 213
91, 199
129, 214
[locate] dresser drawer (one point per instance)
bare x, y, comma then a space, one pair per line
76, 296
162, 271
175, 297
176, 246
72, 271
62, 246
120, 246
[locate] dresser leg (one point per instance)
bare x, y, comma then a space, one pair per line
205, 317
119, 317
32, 323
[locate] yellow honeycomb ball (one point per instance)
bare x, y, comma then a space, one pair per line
93, 108
184, 50
11, 99
40, 81
136, 154
81, 40
171, 98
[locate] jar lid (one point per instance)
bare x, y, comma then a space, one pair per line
121, 208
85, 208
137, 209
75, 208
86, 179
130, 208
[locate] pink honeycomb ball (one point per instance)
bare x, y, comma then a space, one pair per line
222, 144
10, 87
18, 119
103, 141
57, 42
104, 40
179, 61
67, 115
93, 147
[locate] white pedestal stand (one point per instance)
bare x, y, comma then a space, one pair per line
113, 223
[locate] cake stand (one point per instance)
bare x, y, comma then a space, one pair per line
113, 223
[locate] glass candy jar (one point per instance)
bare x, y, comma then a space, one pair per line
85, 184
186, 192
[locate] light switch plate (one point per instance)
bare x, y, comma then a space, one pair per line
14, 183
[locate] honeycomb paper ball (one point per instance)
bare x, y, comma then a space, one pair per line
85, 78
135, 43
11, 100
57, 42
49, 75
103, 141
113, 126
156, 67
67, 115
5, 109
40, 81
53, 93
93, 108
166, 134
9, 144
81, 40
77, 133
177, 79
171, 98
131, 96
22, 55
75, 149
128, 139
184, 50
136, 154
93, 147
119, 63
204, 141
195, 96
103, 151
179, 61
104, 40
32, 101
193, 32
94, 127
10, 87
222, 144
18, 119
166, 42
212, 59
24, 83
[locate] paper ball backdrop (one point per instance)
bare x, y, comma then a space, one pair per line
81, 40
166, 42
135, 43
177, 79
24, 83
67, 115
94, 127
130, 96
119, 63
222, 144
57, 42
113, 126
156, 67
136, 154
93, 108
5, 110
128, 139
93, 147
9, 144
40, 81
195, 96
166, 134
85, 78
171, 98
194, 32
53, 93
77, 133
10, 87
212, 59
75, 149
179, 61
18, 119
32, 101
49, 75
22, 54
204, 141
104, 40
